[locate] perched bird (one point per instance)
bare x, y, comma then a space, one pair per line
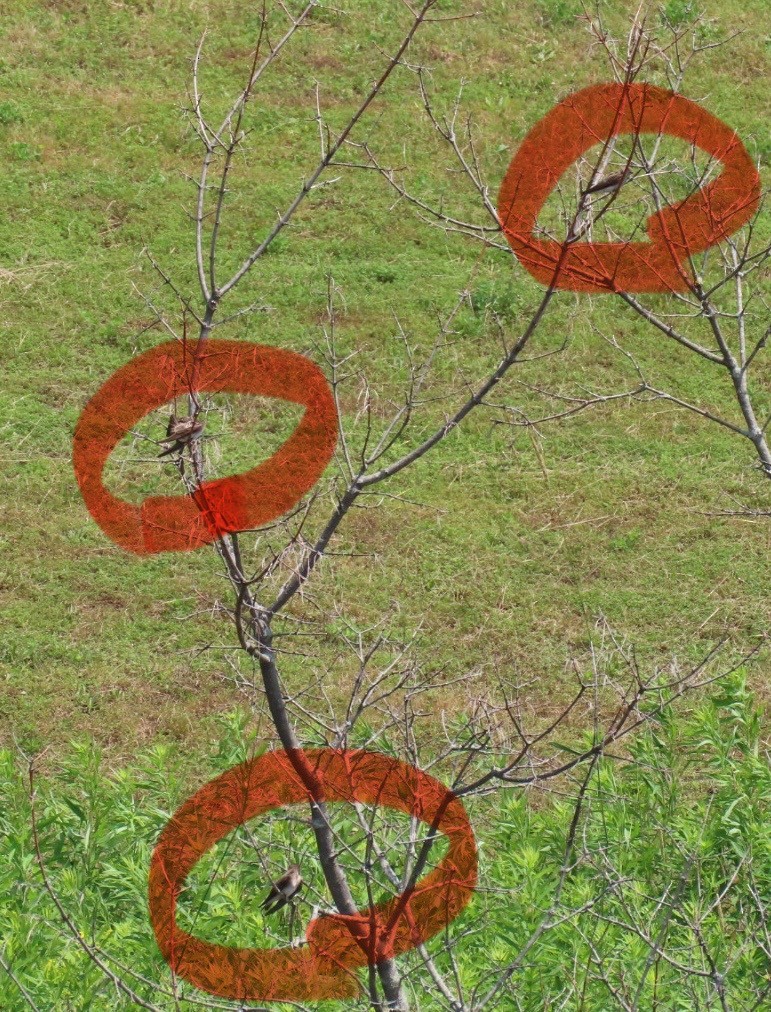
609, 184
180, 432
283, 890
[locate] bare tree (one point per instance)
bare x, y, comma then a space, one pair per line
388, 704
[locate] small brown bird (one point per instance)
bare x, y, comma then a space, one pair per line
180, 432
284, 889
609, 184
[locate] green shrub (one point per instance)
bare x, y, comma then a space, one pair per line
685, 815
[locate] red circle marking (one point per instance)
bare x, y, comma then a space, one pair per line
337, 945
590, 117
240, 501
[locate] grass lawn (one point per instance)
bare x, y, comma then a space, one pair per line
505, 548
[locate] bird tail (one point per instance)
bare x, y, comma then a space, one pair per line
272, 896
273, 903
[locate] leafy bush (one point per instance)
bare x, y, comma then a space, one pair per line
679, 12
669, 865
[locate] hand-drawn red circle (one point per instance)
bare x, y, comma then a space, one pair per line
590, 117
184, 522
336, 945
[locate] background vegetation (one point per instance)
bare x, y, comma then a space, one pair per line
682, 823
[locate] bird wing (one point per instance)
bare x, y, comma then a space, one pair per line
615, 180
283, 890
181, 430
275, 900
182, 427
282, 886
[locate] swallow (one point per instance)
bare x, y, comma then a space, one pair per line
609, 184
179, 433
284, 889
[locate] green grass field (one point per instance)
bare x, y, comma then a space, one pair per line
514, 555
505, 548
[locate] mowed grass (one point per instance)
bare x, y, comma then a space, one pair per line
508, 544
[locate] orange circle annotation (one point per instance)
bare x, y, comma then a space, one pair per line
336, 945
239, 502
593, 116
